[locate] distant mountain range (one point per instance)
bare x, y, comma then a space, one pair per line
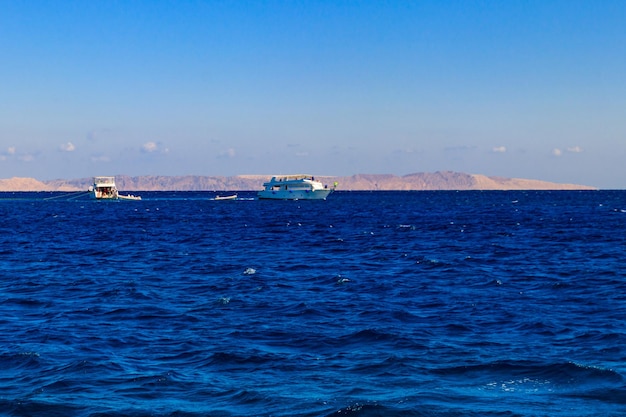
441, 180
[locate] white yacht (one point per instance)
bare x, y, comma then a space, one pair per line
295, 187
104, 188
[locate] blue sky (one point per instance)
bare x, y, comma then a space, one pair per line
525, 89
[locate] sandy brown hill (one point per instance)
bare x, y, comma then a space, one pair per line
441, 180
22, 184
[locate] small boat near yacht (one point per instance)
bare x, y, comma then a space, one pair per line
295, 187
104, 188
226, 197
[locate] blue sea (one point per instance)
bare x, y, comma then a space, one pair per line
495, 303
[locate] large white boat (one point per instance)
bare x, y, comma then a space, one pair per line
104, 188
295, 187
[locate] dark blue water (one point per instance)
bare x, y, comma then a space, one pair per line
367, 304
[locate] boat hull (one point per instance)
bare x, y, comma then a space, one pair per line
116, 198
100, 195
294, 195
226, 197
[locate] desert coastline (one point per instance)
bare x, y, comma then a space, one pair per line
440, 180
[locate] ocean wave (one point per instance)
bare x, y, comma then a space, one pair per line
549, 376
433, 304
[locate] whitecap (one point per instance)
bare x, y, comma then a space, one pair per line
342, 280
223, 300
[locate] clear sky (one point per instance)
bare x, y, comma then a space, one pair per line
526, 89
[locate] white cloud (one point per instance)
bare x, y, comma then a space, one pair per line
96, 134
499, 149
100, 158
67, 147
228, 153
460, 148
11, 152
575, 149
557, 152
149, 147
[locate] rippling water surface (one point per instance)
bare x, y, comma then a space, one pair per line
367, 304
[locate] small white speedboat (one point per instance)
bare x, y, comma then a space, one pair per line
226, 197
